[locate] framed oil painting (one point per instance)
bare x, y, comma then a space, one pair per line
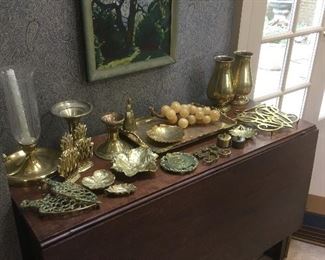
125, 36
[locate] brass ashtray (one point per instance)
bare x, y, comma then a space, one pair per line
121, 189
136, 160
166, 133
178, 162
101, 179
243, 131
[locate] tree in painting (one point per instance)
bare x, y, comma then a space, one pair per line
128, 31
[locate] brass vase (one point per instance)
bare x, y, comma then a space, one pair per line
220, 88
242, 77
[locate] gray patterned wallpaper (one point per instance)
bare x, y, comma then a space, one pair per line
47, 35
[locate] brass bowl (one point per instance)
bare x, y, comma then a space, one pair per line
243, 131
131, 162
71, 109
121, 189
101, 179
166, 133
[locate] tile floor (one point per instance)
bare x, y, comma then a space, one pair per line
303, 251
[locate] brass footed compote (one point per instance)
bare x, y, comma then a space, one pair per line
72, 111
113, 145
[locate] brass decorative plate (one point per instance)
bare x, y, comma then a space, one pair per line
243, 131
121, 189
178, 162
166, 133
101, 179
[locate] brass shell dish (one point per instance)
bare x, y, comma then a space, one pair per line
121, 189
178, 162
166, 133
243, 131
101, 179
136, 160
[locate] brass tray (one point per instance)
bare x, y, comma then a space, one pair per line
191, 134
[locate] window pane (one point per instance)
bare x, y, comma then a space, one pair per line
310, 13
278, 16
271, 102
322, 109
293, 103
301, 60
269, 73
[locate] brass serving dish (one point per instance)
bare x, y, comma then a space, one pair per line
131, 162
243, 131
166, 133
178, 162
191, 134
101, 179
121, 189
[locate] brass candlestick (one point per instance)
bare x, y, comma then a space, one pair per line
113, 144
71, 111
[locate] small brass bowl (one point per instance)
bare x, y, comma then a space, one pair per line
101, 179
243, 131
121, 189
166, 133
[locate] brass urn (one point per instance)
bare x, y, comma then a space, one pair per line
220, 87
242, 77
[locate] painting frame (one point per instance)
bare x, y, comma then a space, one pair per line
94, 74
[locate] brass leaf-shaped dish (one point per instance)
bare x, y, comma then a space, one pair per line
243, 131
101, 179
178, 162
121, 189
166, 133
140, 159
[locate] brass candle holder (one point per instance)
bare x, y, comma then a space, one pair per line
72, 111
113, 145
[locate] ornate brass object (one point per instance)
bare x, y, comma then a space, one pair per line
71, 111
220, 88
69, 160
166, 133
267, 118
224, 140
242, 77
136, 160
225, 152
180, 163
30, 165
208, 155
129, 122
113, 145
243, 131
101, 179
85, 147
121, 189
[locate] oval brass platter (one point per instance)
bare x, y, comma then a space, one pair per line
166, 133
178, 162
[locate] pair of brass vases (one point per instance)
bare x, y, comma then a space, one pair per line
231, 81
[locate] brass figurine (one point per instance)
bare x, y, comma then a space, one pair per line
242, 77
220, 88
129, 122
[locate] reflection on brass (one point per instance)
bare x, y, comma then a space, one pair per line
224, 140
30, 165
208, 155
71, 111
101, 179
85, 147
242, 80
64, 198
243, 131
220, 88
238, 142
166, 133
225, 152
129, 122
121, 189
113, 145
267, 118
179, 163
69, 160
136, 160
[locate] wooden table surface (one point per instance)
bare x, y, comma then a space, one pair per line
48, 231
